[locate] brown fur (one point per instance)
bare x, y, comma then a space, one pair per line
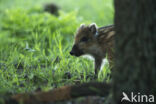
52, 8
98, 42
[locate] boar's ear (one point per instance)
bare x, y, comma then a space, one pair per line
81, 26
93, 28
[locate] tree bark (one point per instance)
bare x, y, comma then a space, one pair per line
135, 62
60, 94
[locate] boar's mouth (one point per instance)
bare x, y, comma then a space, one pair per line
76, 51
79, 53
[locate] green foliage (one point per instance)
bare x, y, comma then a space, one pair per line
35, 45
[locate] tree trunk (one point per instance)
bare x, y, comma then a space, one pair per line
135, 65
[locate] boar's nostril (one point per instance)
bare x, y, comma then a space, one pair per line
71, 53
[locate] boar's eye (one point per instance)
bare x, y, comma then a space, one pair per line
84, 39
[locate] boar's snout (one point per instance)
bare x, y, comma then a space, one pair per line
76, 51
71, 52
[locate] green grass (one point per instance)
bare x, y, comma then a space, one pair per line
35, 45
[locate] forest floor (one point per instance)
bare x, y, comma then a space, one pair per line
35, 45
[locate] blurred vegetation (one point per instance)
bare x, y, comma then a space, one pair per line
35, 45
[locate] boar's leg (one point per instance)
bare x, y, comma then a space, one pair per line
98, 62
